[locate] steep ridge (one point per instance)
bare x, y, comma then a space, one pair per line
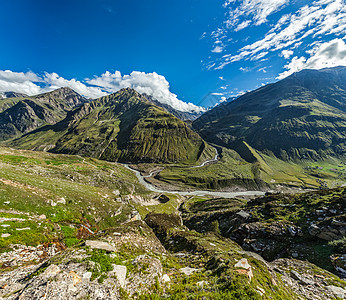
64, 97
300, 117
123, 126
22, 114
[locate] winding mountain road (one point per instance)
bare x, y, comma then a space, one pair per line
153, 188
215, 159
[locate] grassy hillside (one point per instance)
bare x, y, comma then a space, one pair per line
257, 171
70, 191
120, 127
300, 117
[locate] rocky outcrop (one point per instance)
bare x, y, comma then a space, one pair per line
305, 279
308, 226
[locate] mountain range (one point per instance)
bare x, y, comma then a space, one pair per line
300, 117
124, 126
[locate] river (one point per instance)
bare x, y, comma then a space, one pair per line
153, 188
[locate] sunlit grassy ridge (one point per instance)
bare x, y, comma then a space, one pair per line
300, 117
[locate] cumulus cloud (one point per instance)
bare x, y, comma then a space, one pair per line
329, 54
151, 84
55, 81
19, 82
32, 84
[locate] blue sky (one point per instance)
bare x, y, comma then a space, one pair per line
196, 51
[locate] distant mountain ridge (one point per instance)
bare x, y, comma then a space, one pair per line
124, 126
301, 116
4, 95
21, 114
182, 115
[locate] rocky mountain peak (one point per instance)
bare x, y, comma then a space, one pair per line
68, 95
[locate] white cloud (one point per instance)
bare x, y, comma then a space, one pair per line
257, 10
286, 53
27, 83
54, 81
329, 54
217, 49
19, 82
242, 25
316, 20
18, 77
149, 83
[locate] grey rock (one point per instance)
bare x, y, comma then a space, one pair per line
337, 291
120, 273
339, 263
292, 230
188, 271
338, 223
254, 255
243, 263
51, 271
243, 214
314, 229
296, 275
329, 234
202, 284
87, 275
100, 245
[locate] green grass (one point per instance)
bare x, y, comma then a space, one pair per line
170, 207
34, 183
232, 170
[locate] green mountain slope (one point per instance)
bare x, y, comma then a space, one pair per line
302, 116
120, 127
20, 115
